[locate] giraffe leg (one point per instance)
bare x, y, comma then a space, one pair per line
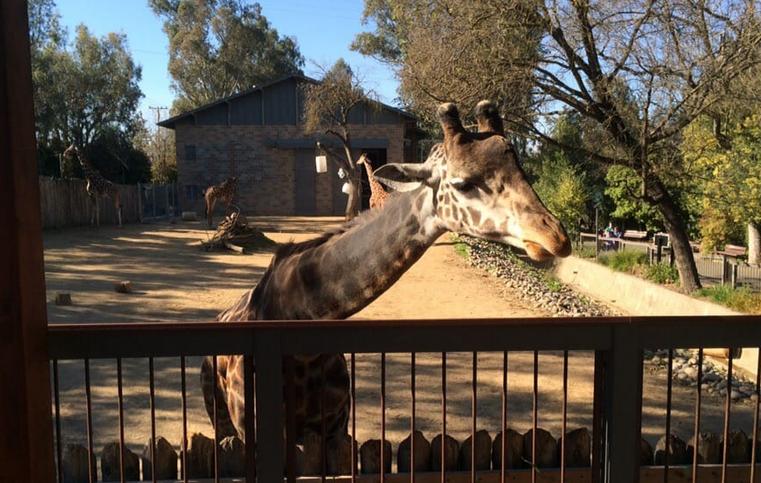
93, 209
210, 202
211, 390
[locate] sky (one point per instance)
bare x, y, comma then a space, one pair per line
323, 30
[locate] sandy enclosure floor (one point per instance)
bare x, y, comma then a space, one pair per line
174, 280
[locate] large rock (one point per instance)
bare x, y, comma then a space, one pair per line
709, 448
200, 460
645, 453
74, 462
452, 451
677, 451
166, 460
514, 454
369, 456
739, 448
109, 463
546, 448
232, 457
483, 451
578, 448
422, 454
337, 457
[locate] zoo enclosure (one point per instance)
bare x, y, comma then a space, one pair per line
618, 344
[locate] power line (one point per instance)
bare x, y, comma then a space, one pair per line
157, 110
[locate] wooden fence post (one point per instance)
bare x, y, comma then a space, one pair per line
724, 270
139, 202
153, 198
733, 275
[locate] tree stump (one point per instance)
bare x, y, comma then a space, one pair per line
109, 463
63, 298
74, 461
514, 453
125, 286
341, 447
483, 451
709, 448
739, 448
451, 449
422, 454
232, 457
200, 460
677, 451
578, 448
546, 448
645, 453
166, 460
369, 455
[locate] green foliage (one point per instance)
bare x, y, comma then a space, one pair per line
553, 284
624, 261
584, 252
662, 273
220, 47
740, 299
159, 145
624, 187
562, 187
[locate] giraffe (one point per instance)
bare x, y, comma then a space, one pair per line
224, 191
378, 194
471, 184
97, 186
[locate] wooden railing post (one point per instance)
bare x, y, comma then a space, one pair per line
268, 358
623, 397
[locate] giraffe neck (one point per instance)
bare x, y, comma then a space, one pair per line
345, 272
375, 186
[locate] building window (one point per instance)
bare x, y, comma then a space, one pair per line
190, 152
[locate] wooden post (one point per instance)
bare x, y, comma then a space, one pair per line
153, 197
658, 250
597, 233
733, 275
139, 202
724, 270
26, 452
166, 196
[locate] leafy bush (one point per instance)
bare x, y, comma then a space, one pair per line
625, 261
662, 273
741, 299
584, 252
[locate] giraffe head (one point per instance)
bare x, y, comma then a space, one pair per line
479, 188
365, 160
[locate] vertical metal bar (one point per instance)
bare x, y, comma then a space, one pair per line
57, 401
353, 418
727, 409
183, 391
503, 471
669, 385
696, 431
215, 410
249, 417
598, 420
269, 405
474, 416
755, 422
290, 421
383, 419
323, 429
91, 466
563, 431
152, 398
412, 418
443, 417
534, 415
121, 417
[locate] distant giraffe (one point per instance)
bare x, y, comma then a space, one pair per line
97, 186
378, 194
224, 191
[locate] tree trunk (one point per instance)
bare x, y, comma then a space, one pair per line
680, 241
754, 243
354, 203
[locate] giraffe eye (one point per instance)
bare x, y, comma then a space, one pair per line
463, 186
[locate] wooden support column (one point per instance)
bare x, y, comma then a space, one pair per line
26, 433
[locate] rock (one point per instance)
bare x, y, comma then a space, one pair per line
200, 461
483, 451
739, 448
546, 448
109, 463
166, 460
189, 216
645, 453
369, 456
422, 454
578, 448
232, 457
63, 298
339, 463
514, 453
74, 464
341, 447
709, 448
452, 450
677, 451
690, 372
125, 286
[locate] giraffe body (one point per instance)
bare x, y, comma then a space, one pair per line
224, 191
97, 186
471, 183
378, 194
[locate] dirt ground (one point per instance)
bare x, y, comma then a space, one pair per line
175, 280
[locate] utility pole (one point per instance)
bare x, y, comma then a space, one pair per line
157, 110
159, 138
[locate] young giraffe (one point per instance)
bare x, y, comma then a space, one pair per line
378, 194
224, 191
471, 184
97, 186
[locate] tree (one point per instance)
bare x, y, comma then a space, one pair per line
159, 146
564, 190
639, 71
220, 47
327, 107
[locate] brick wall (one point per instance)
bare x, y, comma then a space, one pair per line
266, 176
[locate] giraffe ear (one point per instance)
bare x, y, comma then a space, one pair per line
404, 176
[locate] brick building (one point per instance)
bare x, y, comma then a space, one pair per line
258, 135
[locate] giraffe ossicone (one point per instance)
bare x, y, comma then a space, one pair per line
471, 183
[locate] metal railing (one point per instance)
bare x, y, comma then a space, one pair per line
618, 345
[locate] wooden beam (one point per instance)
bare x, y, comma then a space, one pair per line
26, 450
